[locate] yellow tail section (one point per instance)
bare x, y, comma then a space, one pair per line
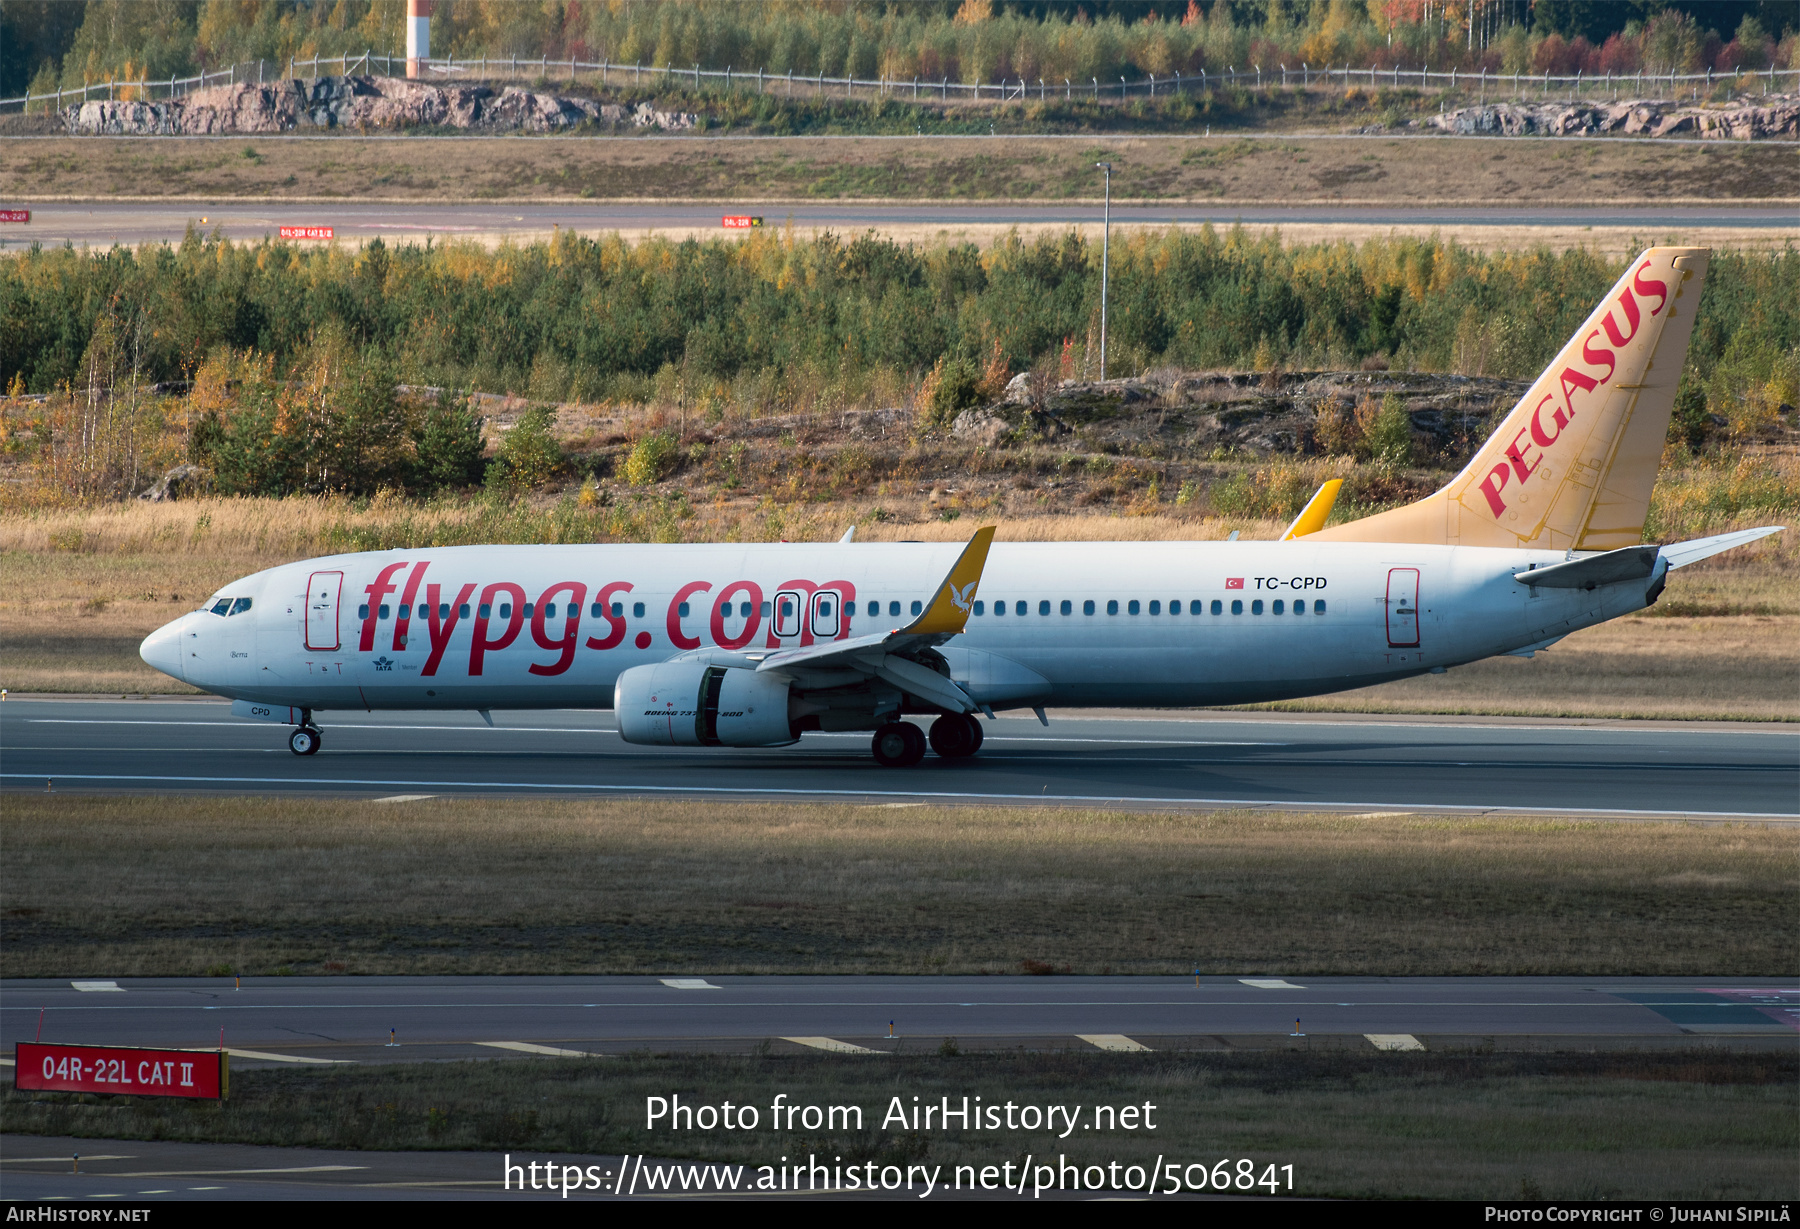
1572, 466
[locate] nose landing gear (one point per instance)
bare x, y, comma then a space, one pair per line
304, 740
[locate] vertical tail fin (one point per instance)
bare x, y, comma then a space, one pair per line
1573, 464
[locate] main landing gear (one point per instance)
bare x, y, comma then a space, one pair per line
304, 740
901, 744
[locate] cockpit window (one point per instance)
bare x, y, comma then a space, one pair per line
240, 605
221, 606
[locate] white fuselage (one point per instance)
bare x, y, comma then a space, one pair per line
1172, 623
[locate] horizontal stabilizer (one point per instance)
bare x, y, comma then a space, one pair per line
1683, 553
1627, 563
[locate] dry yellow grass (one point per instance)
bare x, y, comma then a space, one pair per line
169, 885
1221, 171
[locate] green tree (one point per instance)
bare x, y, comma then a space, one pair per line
448, 450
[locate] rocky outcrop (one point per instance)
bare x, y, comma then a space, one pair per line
182, 482
360, 104
1774, 116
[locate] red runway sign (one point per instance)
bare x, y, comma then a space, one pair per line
738, 221
15, 215
308, 232
117, 1069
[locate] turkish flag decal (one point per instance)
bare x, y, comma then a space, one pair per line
1234, 582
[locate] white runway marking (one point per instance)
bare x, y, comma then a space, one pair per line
526, 1047
969, 795
830, 1044
1270, 983
689, 983
97, 986
1394, 1041
404, 798
1113, 1041
260, 1056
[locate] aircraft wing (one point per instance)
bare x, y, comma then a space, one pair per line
892, 656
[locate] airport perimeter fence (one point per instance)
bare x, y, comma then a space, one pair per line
1480, 85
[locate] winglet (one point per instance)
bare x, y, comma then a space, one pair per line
949, 609
1312, 517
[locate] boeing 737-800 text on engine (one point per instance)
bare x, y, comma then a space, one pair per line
754, 645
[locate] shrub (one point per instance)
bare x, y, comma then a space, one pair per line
651, 460
529, 455
1389, 436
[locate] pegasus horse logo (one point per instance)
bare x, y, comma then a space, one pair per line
964, 597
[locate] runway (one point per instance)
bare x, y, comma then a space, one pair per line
101, 224
1631, 770
312, 1020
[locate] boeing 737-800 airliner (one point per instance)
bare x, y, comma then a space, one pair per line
754, 645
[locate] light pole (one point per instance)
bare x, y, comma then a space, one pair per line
1105, 255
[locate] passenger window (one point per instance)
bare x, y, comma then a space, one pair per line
893, 609
1132, 606
462, 611
1155, 607
484, 610
240, 606
595, 610
918, 608
1087, 607
824, 609
1237, 605
444, 611
1319, 606
1044, 606
1112, 606
765, 610
1194, 607
362, 611
980, 608
744, 609
999, 609
1020, 608
506, 610
1299, 608
1068, 607
1256, 606
528, 608
549, 610
637, 610
1278, 608
681, 611
874, 608
386, 610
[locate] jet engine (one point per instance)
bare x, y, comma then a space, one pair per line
691, 704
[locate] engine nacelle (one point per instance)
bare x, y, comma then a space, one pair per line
691, 704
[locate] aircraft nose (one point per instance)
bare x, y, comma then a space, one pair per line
161, 650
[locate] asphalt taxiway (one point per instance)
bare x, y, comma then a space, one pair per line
103, 223
316, 1020
1647, 770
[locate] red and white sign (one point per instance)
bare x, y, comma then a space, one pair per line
118, 1069
15, 215
740, 221
308, 232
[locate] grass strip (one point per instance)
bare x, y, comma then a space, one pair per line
1612, 1125
147, 886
